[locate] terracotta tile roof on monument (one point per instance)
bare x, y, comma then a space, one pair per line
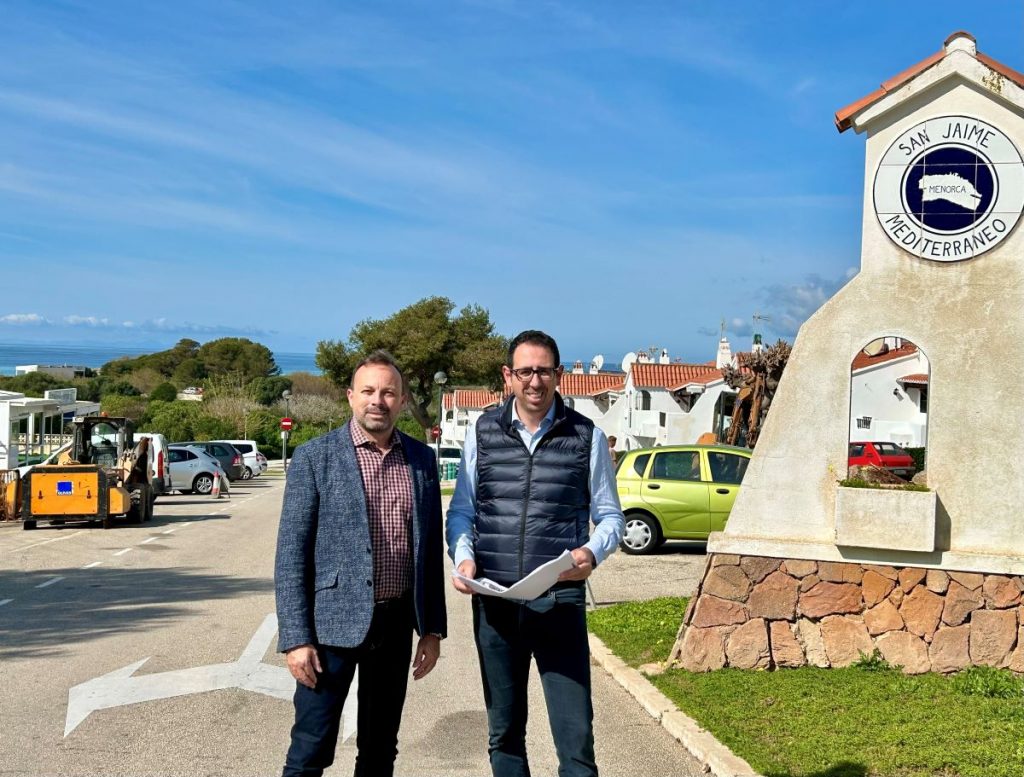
862, 360
670, 376
471, 399
577, 385
844, 116
917, 377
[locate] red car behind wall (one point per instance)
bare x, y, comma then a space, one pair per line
888, 455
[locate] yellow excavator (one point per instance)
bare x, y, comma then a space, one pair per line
101, 475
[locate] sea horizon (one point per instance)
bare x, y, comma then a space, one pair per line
95, 356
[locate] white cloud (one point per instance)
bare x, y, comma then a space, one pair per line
93, 321
24, 319
160, 325
790, 306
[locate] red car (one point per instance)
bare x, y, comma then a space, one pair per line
888, 455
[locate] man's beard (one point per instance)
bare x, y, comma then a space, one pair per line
371, 424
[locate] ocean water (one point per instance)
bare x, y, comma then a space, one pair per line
95, 356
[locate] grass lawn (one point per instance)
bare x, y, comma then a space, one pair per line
856, 722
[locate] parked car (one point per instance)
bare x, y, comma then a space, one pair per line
230, 459
887, 455
677, 492
193, 470
250, 457
160, 463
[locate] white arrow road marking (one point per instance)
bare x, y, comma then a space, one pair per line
120, 688
5, 601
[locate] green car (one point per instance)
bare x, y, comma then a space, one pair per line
677, 492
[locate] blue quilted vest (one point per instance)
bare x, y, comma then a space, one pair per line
530, 508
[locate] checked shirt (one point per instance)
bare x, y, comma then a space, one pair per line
388, 486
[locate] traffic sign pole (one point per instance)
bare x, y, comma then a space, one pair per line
286, 428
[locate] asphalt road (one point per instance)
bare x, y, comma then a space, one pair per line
187, 595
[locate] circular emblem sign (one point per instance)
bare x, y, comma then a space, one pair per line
950, 188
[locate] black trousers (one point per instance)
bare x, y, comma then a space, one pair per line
383, 661
551, 630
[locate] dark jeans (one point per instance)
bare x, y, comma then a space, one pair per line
383, 660
553, 631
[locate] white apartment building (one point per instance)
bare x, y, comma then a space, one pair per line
889, 394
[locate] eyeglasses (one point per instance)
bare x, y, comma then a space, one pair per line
525, 374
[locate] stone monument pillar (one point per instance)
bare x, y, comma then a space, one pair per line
810, 572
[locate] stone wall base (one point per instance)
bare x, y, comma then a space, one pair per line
754, 612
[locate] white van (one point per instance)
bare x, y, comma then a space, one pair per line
159, 462
253, 465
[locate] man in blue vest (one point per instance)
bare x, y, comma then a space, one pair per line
360, 566
534, 474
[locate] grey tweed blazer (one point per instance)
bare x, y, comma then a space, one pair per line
323, 572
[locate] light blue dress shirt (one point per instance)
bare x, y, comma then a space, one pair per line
605, 511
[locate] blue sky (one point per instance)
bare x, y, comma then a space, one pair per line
622, 175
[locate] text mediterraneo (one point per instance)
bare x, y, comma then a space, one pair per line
949, 188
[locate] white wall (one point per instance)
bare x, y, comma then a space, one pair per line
644, 429
894, 417
8, 453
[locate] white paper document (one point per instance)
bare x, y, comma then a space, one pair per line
530, 587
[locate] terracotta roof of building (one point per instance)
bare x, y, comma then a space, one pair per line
917, 377
862, 360
702, 380
584, 385
669, 376
844, 116
475, 399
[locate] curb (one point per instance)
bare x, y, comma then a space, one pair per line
716, 758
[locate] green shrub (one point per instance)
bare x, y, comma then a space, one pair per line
989, 682
861, 483
918, 455
165, 392
873, 663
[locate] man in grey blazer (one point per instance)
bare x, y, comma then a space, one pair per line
359, 567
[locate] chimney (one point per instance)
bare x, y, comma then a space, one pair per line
577, 367
663, 359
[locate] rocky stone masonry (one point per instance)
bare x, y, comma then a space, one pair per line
763, 613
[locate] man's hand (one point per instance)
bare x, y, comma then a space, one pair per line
304, 663
467, 569
428, 650
584, 561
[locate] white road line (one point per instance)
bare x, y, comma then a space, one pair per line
151, 539
47, 542
51, 581
167, 531
93, 564
122, 551
5, 601
187, 523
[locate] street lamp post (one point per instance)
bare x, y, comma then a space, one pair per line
286, 395
440, 379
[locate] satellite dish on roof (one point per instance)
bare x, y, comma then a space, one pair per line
627, 360
876, 347
597, 363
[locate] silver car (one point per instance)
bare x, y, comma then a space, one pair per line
193, 470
